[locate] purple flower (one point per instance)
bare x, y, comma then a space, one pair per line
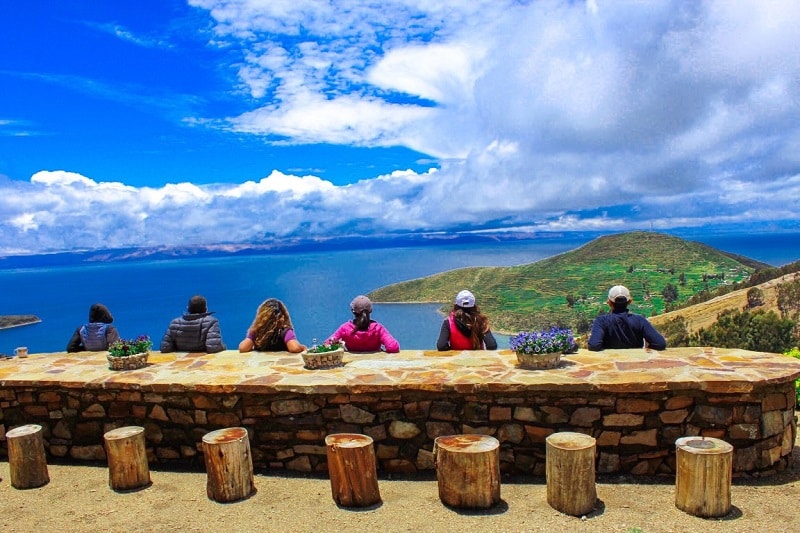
122, 348
549, 341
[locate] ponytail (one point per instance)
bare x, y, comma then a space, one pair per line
361, 320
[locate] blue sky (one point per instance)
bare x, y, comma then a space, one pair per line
165, 122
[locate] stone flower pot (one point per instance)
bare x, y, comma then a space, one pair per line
127, 362
315, 360
539, 360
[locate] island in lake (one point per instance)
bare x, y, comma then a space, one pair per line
13, 321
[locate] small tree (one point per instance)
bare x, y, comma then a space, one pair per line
755, 297
789, 297
670, 293
675, 332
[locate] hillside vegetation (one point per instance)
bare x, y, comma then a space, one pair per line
570, 289
12, 321
703, 315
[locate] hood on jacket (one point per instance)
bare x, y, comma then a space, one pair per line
100, 313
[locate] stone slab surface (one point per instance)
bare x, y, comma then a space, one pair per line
718, 370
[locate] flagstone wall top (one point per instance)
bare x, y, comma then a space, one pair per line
717, 370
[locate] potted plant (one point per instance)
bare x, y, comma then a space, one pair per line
326, 355
129, 354
542, 349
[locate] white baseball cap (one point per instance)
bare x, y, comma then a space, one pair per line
617, 291
465, 299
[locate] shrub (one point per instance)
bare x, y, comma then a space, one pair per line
795, 352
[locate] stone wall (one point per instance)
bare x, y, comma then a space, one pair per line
635, 432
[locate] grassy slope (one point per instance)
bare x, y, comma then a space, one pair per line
705, 314
534, 295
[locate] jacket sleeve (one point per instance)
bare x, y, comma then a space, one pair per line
654, 339
596, 336
112, 335
214, 342
489, 341
339, 333
389, 343
168, 342
443, 342
75, 344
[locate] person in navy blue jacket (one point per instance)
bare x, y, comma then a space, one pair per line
621, 329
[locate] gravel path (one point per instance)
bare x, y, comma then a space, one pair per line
78, 499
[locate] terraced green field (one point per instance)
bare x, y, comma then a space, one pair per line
570, 289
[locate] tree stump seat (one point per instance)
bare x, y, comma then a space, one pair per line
229, 465
352, 469
127, 458
703, 476
27, 461
468, 470
570, 472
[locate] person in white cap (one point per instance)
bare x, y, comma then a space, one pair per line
622, 329
466, 328
362, 334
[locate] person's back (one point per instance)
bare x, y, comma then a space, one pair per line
621, 329
195, 331
363, 334
93, 336
97, 334
465, 328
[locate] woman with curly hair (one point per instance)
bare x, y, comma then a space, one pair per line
272, 330
466, 328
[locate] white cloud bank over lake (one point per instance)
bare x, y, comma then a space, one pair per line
544, 114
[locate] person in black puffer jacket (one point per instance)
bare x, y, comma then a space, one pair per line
195, 331
97, 334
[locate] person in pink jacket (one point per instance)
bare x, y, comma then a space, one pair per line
363, 334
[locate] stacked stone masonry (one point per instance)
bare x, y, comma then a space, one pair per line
635, 427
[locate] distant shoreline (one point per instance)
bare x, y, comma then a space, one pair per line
15, 321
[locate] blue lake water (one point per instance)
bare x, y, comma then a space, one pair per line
316, 287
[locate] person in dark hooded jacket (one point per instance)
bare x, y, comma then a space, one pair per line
195, 331
95, 335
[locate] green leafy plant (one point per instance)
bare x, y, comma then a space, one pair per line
553, 340
124, 348
327, 346
795, 352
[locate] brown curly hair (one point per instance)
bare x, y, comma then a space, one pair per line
475, 321
272, 319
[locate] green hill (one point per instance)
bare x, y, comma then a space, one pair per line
569, 289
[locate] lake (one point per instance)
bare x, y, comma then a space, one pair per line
317, 288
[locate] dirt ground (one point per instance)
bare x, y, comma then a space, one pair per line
78, 498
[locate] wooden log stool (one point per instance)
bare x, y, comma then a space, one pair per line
570, 473
229, 465
127, 458
703, 476
27, 461
351, 465
468, 470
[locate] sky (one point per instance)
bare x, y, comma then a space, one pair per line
178, 123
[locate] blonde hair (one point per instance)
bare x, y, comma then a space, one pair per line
272, 319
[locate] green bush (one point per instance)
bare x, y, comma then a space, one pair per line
757, 330
795, 352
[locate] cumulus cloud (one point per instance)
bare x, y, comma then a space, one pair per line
538, 114
642, 100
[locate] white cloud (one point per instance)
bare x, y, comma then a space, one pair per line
541, 114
